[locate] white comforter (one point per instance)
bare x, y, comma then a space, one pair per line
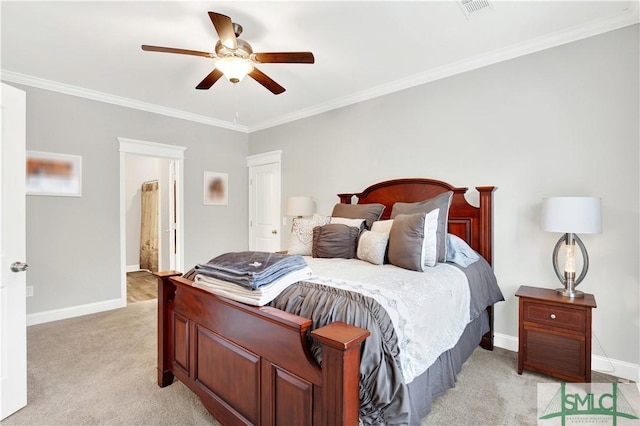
429, 309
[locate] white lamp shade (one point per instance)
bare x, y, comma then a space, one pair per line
234, 68
578, 215
300, 206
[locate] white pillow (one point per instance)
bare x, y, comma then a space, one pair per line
356, 223
382, 225
301, 240
430, 243
372, 246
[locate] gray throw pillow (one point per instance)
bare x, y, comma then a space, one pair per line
335, 240
369, 212
412, 240
442, 202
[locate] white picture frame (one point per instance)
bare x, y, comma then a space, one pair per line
216, 189
53, 174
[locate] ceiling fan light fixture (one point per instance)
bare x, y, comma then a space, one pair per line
234, 68
235, 57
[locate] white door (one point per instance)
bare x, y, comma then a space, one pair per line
264, 207
13, 325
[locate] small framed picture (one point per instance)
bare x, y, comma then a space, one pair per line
53, 174
216, 189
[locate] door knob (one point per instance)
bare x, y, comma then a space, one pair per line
18, 267
274, 232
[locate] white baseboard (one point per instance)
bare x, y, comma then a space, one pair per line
74, 311
505, 341
133, 268
613, 367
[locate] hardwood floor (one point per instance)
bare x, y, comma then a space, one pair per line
141, 285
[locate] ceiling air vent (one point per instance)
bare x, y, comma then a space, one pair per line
474, 7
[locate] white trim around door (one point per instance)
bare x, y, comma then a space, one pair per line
151, 149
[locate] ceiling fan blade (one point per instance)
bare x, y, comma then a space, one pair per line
210, 79
266, 81
180, 51
224, 28
284, 57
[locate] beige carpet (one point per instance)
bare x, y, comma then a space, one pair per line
100, 369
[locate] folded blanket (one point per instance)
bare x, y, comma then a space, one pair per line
251, 269
258, 297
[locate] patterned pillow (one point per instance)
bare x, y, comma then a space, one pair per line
301, 238
382, 226
372, 246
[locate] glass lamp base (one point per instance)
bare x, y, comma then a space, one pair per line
573, 294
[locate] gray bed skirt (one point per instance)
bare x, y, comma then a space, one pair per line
442, 373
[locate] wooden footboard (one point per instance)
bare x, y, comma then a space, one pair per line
251, 365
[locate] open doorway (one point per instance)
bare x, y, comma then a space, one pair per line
151, 238
150, 223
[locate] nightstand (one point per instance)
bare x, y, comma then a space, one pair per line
554, 334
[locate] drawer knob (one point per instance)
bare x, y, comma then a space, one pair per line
552, 316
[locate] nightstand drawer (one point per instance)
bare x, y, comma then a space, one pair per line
555, 316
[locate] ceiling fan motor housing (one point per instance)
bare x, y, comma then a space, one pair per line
243, 51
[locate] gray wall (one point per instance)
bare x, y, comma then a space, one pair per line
560, 122
73, 244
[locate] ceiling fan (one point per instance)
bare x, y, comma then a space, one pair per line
235, 58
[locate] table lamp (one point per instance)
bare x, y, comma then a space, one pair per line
300, 206
571, 216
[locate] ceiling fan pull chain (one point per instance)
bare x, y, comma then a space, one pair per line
235, 101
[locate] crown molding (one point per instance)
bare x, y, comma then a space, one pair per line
54, 86
628, 17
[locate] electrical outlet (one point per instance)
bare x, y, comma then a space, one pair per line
29, 291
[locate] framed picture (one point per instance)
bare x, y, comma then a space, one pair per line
216, 189
53, 174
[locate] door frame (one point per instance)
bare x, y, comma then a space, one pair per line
260, 160
151, 149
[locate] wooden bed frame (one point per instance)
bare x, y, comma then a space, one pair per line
252, 365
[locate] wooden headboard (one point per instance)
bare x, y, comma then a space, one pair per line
472, 224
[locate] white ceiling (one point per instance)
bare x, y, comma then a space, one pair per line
363, 49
